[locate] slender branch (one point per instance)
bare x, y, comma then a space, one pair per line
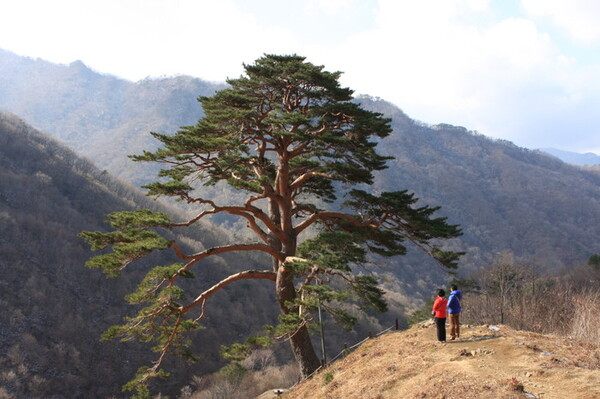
302, 179
331, 215
168, 344
224, 249
193, 220
245, 275
253, 225
249, 212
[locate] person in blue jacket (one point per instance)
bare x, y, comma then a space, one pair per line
454, 312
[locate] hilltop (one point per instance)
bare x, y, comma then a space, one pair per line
486, 362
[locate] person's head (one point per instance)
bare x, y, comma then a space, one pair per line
454, 287
441, 293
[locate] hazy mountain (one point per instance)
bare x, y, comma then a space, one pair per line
589, 158
99, 116
506, 198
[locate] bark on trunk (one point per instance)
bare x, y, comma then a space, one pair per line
302, 346
304, 352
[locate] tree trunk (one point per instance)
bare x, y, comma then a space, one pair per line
302, 346
304, 352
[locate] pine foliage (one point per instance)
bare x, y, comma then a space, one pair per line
290, 139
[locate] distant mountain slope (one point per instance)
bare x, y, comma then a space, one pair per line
482, 364
575, 158
99, 116
506, 198
53, 308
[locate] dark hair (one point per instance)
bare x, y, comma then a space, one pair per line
441, 293
454, 287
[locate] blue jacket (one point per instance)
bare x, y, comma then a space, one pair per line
454, 302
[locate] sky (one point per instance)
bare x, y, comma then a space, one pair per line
527, 71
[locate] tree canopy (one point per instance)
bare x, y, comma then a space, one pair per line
289, 138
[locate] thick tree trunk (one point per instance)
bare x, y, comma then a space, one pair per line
304, 352
302, 346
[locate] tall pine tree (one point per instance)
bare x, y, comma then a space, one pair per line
292, 140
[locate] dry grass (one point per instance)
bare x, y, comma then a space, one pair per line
483, 364
251, 385
585, 325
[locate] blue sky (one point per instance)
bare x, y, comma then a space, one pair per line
527, 71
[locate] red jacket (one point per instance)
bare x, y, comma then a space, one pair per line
439, 307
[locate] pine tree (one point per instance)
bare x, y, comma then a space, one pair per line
293, 141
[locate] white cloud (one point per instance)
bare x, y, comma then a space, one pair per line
139, 38
506, 78
579, 18
332, 7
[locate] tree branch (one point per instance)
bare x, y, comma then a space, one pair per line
330, 215
224, 249
302, 179
245, 275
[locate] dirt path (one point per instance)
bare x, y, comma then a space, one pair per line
483, 363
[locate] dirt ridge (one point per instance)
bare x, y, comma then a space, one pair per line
485, 362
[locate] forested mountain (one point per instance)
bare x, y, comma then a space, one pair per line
506, 198
53, 308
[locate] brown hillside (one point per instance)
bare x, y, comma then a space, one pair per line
483, 363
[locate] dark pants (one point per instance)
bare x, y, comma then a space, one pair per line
441, 329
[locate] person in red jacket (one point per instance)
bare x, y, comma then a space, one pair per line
439, 313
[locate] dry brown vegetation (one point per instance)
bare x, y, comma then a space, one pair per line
516, 295
483, 363
256, 374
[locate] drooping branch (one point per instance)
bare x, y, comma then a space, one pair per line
245, 275
194, 220
253, 225
201, 300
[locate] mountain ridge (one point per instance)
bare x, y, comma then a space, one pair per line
43, 204
499, 193
101, 117
505, 197
588, 158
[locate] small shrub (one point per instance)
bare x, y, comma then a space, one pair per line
327, 378
233, 372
